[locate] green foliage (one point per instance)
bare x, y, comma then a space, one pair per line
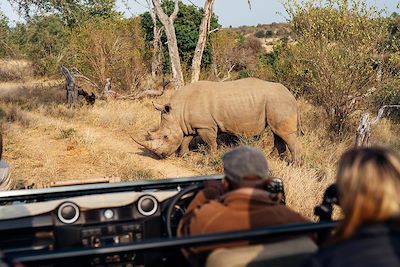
72, 12
268, 33
109, 48
44, 38
394, 33
223, 44
264, 34
279, 65
66, 133
233, 51
187, 26
247, 53
241, 39
244, 73
42, 41
4, 33
7, 47
259, 34
337, 57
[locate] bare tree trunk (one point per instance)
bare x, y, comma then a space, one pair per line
201, 42
107, 88
72, 92
156, 62
363, 132
168, 23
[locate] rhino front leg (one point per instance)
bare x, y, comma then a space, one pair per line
184, 148
209, 136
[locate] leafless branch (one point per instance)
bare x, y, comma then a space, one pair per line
228, 74
143, 94
214, 30
140, 4
176, 10
381, 112
363, 132
78, 74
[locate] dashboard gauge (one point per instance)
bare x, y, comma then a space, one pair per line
147, 205
68, 213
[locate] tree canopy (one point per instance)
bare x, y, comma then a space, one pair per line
339, 56
71, 11
187, 31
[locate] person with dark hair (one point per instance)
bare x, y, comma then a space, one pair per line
239, 201
368, 184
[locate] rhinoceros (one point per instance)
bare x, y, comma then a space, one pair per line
241, 107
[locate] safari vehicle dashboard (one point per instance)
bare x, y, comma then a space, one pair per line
121, 224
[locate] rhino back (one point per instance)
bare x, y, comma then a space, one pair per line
240, 107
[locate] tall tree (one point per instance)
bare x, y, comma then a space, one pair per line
168, 23
201, 43
7, 47
156, 62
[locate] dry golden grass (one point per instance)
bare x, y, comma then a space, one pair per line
47, 141
304, 184
15, 70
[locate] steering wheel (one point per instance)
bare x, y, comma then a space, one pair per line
173, 203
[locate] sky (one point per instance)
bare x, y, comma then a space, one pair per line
230, 12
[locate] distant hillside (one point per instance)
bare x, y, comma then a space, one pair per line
268, 34
273, 30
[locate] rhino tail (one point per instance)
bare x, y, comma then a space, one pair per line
300, 130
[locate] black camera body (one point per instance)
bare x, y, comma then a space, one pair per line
324, 211
276, 187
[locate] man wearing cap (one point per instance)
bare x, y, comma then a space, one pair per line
239, 202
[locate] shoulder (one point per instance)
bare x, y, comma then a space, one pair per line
360, 250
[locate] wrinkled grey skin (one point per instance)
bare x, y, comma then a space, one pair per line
242, 107
168, 138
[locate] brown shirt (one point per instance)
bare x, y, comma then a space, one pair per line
241, 209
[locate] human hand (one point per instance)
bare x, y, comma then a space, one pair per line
213, 188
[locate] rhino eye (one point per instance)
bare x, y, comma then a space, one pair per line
165, 136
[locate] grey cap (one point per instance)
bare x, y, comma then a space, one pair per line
245, 161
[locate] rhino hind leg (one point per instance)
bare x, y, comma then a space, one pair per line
279, 145
291, 142
209, 136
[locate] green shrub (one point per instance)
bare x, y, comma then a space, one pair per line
337, 57
109, 48
42, 41
187, 33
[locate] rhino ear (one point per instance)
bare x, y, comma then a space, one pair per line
167, 108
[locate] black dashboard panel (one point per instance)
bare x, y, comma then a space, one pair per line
89, 217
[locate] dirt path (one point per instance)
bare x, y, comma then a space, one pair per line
51, 158
53, 149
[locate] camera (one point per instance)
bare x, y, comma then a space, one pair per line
324, 211
275, 187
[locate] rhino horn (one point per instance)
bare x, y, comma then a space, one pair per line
145, 144
158, 107
141, 143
